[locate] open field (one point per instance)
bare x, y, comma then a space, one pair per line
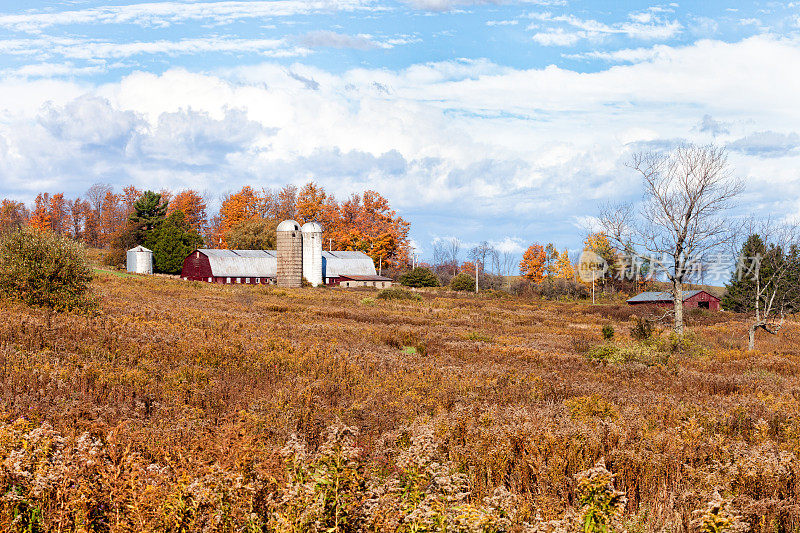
169, 410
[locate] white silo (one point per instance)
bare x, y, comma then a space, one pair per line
290, 254
140, 260
312, 253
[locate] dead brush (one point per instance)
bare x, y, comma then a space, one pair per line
188, 396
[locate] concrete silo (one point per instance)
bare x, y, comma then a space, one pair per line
140, 260
312, 253
290, 254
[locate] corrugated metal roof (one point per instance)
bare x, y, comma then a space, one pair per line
657, 296
242, 263
342, 263
140, 248
264, 263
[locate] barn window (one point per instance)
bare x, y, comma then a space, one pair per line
209, 280
703, 305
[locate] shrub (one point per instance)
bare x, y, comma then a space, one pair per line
594, 406
419, 277
397, 293
601, 504
43, 269
606, 353
551, 289
462, 282
718, 516
642, 329
608, 332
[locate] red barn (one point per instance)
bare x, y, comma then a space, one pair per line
691, 299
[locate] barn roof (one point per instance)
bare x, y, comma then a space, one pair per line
242, 263
346, 263
264, 263
663, 296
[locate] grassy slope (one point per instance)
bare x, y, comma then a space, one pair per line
191, 375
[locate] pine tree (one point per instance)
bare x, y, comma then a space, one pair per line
148, 213
171, 242
741, 288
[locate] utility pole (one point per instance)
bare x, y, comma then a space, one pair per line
476, 275
380, 266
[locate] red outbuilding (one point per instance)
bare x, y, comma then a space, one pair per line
691, 299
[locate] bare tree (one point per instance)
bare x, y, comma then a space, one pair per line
767, 277
481, 253
509, 261
453, 251
439, 255
95, 196
681, 217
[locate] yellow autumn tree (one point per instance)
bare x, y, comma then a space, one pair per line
562, 267
599, 244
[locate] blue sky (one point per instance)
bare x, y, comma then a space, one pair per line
507, 121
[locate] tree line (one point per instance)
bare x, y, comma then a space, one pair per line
172, 221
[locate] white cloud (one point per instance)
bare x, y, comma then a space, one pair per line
324, 38
512, 22
450, 5
160, 14
93, 50
643, 26
528, 150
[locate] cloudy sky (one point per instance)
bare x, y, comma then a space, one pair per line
503, 120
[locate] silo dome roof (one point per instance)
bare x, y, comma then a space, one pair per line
312, 227
288, 225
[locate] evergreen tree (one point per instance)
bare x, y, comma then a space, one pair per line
419, 277
149, 212
741, 288
171, 242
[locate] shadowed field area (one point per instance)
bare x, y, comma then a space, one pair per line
172, 409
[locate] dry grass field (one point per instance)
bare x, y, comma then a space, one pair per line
185, 406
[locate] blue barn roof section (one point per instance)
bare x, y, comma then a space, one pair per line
264, 263
656, 296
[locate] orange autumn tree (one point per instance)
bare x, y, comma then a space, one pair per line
367, 223
533, 263
245, 205
112, 217
40, 215
193, 207
311, 204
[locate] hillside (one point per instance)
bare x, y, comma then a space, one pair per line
169, 410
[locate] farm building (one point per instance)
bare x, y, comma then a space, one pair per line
691, 299
299, 254
139, 260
